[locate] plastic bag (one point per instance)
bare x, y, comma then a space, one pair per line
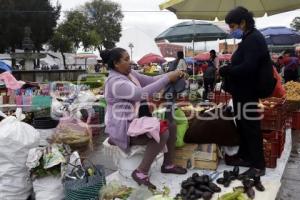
16, 139
182, 125
74, 133
48, 188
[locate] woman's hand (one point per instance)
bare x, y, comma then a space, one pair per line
175, 75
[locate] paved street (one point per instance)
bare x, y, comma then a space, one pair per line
291, 178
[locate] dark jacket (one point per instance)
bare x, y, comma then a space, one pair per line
246, 61
210, 72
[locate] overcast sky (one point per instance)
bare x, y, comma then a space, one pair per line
153, 23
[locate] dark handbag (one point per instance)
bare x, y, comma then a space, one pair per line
86, 188
211, 128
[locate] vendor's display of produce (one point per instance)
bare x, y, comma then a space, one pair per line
292, 91
152, 69
46, 161
114, 190
196, 187
75, 138
248, 184
292, 95
73, 132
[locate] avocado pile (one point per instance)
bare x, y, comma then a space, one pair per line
196, 187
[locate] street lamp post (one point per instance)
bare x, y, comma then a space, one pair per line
130, 46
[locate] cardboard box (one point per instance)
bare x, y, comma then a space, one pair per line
187, 163
202, 164
184, 156
186, 151
206, 152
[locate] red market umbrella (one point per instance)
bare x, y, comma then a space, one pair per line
225, 57
202, 56
151, 58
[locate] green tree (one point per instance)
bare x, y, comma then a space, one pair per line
40, 15
91, 39
296, 23
104, 17
75, 27
61, 43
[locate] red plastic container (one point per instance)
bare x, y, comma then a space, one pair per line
296, 120
274, 118
269, 151
271, 162
221, 97
274, 142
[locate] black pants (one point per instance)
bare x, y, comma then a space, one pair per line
251, 140
209, 84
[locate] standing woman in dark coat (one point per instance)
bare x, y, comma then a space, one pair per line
242, 84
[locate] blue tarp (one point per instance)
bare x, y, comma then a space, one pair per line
4, 66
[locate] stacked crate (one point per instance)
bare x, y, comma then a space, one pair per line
273, 127
198, 156
296, 120
184, 156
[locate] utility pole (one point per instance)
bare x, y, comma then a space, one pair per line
130, 46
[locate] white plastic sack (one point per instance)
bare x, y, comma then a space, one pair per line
127, 162
16, 138
48, 188
86, 96
56, 109
46, 134
230, 151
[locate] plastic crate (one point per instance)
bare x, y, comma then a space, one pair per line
296, 120
273, 124
274, 118
270, 149
274, 142
271, 162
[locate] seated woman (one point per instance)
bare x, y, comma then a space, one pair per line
124, 90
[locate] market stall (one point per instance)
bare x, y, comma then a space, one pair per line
45, 125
